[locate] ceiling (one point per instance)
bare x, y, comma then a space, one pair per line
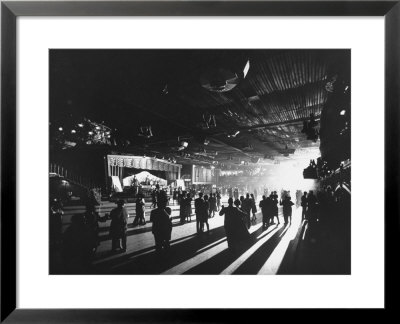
127, 89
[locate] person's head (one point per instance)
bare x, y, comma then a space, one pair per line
311, 193
237, 202
263, 197
241, 198
252, 196
162, 199
230, 201
305, 193
200, 194
121, 203
206, 197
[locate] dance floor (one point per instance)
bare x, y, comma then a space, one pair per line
270, 251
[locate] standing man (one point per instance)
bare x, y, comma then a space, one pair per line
162, 225
198, 208
119, 223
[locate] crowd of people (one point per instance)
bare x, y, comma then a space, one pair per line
79, 242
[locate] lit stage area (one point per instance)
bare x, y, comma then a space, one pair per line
200, 162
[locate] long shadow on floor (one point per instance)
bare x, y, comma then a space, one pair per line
133, 230
219, 262
152, 263
255, 262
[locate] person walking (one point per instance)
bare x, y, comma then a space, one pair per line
118, 227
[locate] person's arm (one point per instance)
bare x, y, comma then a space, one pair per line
222, 211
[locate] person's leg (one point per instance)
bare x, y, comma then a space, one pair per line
123, 239
208, 226
197, 223
158, 242
166, 244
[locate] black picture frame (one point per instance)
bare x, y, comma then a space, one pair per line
10, 10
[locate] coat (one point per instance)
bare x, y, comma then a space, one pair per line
235, 228
162, 224
119, 222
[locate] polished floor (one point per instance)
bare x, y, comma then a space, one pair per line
278, 249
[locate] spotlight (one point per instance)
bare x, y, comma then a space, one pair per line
184, 144
343, 112
60, 129
80, 125
73, 131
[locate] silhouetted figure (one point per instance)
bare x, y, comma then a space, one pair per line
274, 208
140, 212
77, 246
162, 224
119, 222
188, 207
304, 205
205, 214
287, 209
253, 208
198, 208
235, 228
266, 206
213, 205
246, 208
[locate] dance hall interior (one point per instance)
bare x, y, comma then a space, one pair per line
200, 161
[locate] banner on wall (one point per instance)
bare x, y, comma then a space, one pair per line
140, 162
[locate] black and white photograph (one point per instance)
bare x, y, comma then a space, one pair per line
200, 161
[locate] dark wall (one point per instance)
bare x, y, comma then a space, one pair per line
86, 161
